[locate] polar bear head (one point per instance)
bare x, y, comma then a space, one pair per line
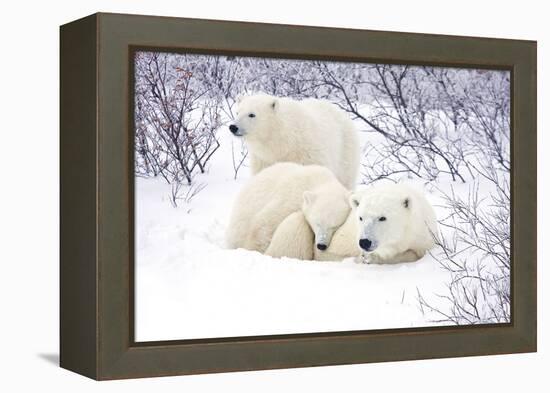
383, 215
256, 118
325, 209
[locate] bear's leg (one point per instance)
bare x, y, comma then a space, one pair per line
293, 238
382, 254
256, 165
407, 256
389, 255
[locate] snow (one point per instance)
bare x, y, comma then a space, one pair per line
189, 286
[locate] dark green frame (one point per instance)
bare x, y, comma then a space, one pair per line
97, 197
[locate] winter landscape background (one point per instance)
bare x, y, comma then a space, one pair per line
444, 129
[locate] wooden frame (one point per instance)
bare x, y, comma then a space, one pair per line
97, 197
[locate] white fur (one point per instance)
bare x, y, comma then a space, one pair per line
275, 193
344, 242
408, 230
405, 236
307, 132
293, 238
325, 210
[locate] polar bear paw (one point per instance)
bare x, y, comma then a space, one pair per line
367, 258
370, 258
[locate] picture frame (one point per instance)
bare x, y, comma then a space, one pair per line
97, 197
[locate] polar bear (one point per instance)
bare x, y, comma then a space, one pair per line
323, 212
294, 238
344, 242
280, 190
388, 224
310, 131
396, 223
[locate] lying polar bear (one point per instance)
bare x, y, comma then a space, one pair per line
293, 238
280, 190
395, 223
389, 223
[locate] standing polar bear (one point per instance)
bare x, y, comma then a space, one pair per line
279, 191
396, 223
307, 132
389, 223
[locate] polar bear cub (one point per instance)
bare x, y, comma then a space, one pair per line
344, 242
277, 192
294, 238
396, 223
309, 131
310, 230
325, 210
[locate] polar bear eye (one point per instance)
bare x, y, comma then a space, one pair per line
382, 218
360, 218
251, 115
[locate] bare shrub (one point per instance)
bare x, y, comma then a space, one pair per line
238, 156
436, 122
181, 192
474, 247
177, 114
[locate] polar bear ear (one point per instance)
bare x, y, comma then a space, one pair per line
354, 200
239, 98
407, 203
309, 197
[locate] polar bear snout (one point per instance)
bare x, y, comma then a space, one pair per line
323, 237
234, 129
365, 244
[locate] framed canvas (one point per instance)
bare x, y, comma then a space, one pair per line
244, 196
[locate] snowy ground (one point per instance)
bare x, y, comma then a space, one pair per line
189, 286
